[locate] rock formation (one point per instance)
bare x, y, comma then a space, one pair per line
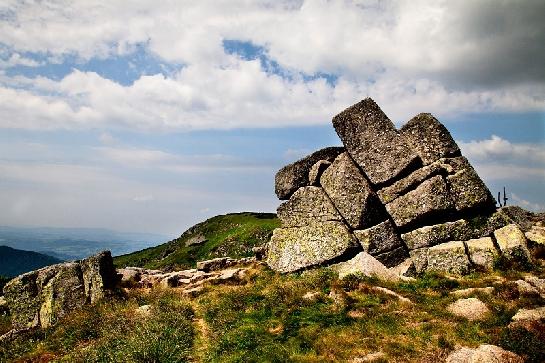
394, 194
39, 298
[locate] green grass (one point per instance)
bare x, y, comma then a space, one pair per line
230, 235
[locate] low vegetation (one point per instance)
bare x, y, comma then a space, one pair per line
306, 317
231, 235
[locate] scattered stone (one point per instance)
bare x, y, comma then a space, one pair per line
216, 264
40, 298
448, 258
373, 142
512, 243
529, 314
308, 205
144, 310
392, 293
351, 193
473, 290
196, 240
525, 288
482, 253
260, 252
406, 270
429, 138
485, 353
469, 191
429, 236
316, 172
371, 357
470, 308
378, 239
295, 175
538, 283
419, 258
194, 291
366, 265
293, 249
129, 276
429, 199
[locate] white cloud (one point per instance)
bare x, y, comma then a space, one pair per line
536, 207
498, 149
143, 198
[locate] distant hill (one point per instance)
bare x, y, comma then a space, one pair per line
14, 262
231, 235
76, 243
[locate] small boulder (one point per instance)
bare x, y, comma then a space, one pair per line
485, 353
470, 308
524, 288
512, 243
448, 258
482, 253
529, 314
295, 175
365, 264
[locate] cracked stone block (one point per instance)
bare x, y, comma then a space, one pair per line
316, 172
469, 191
429, 138
373, 142
448, 258
482, 253
308, 205
378, 239
429, 199
351, 193
296, 248
295, 175
431, 235
393, 257
512, 243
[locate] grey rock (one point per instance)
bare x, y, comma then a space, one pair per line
449, 258
316, 172
351, 193
40, 298
512, 243
296, 248
366, 265
470, 308
484, 353
485, 225
308, 205
373, 142
419, 257
295, 175
129, 276
429, 199
469, 191
216, 264
482, 253
393, 258
431, 235
378, 239
429, 138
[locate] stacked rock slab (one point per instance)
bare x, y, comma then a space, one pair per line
394, 194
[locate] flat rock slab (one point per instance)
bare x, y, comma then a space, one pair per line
429, 138
485, 353
429, 199
439, 233
448, 258
512, 243
308, 205
351, 193
378, 239
296, 248
365, 264
373, 142
482, 253
295, 175
471, 308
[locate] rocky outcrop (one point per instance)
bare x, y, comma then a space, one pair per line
400, 194
40, 298
484, 353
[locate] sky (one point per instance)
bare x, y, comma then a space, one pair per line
152, 116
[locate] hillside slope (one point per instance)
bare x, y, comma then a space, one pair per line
14, 262
231, 235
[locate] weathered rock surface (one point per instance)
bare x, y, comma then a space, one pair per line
308, 205
429, 199
485, 353
295, 175
378, 239
529, 314
429, 138
419, 257
470, 308
196, 240
393, 258
366, 265
448, 258
295, 248
482, 253
439, 233
512, 243
39, 298
469, 191
316, 172
373, 141
351, 193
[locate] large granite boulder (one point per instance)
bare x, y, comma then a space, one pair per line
438, 233
373, 142
429, 138
449, 258
308, 205
295, 175
351, 193
40, 298
296, 248
469, 191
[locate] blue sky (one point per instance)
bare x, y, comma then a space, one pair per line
172, 113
